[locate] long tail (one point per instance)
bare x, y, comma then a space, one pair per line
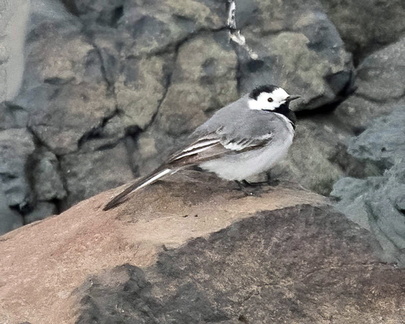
151, 178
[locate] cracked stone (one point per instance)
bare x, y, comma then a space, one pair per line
41, 211
64, 92
299, 49
140, 88
377, 202
187, 104
379, 87
82, 172
48, 183
367, 26
12, 116
9, 219
156, 26
16, 147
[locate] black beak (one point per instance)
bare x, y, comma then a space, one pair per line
291, 98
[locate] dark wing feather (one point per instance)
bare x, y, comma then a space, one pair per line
212, 146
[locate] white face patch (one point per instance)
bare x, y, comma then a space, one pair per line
278, 97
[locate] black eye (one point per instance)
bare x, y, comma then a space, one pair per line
270, 100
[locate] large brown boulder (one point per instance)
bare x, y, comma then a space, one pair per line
193, 249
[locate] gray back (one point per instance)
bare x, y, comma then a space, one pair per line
237, 121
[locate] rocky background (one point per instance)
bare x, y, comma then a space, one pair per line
109, 87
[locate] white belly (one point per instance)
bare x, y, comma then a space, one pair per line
244, 165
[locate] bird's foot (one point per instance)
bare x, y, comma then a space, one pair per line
249, 189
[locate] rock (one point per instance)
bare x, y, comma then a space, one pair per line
377, 203
379, 87
384, 142
16, 147
12, 116
13, 22
64, 90
9, 219
48, 183
186, 104
148, 74
367, 26
42, 210
299, 49
318, 157
48, 10
83, 169
201, 252
104, 12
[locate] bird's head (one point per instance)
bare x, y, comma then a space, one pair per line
270, 98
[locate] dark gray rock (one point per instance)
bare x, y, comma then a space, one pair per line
324, 150
187, 103
42, 210
48, 10
64, 90
12, 116
384, 142
366, 26
67, 96
88, 173
318, 157
9, 219
46, 175
198, 86
299, 49
140, 88
377, 203
379, 87
258, 270
16, 147
103, 12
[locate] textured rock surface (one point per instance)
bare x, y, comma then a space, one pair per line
383, 142
85, 169
16, 145
366, 26
299, 49
9, 219
379, 87
183, 251
377, 203
318, 157
14, 15
47, 181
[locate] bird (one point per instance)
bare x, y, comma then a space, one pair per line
240, 140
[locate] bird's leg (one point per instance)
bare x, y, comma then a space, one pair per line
248, 189
253, 184
269, 182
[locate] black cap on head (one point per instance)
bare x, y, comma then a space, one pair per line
264, 88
